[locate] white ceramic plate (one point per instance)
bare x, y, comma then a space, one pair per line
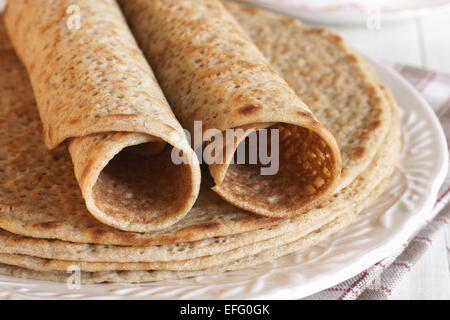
377, 233
353, 12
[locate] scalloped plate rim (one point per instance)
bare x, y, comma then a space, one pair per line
440, 173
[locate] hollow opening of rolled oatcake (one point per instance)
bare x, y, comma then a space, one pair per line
142, 184
303, 171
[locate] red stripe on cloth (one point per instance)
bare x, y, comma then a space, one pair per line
442, 220
443, 77
397, 67
442, 196
428, 80
424, 239
401, 264
354, 284
443, 107
387, 290
417, 72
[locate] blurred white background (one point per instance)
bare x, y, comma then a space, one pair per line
415, 32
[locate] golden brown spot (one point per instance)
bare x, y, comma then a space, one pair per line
352, 58
336, 38
315, 31
98, 233
286, 21
359, 151
13, 240
209, 225
126, 235
249, 9
372, 91
374, 124
246, 64
248, 109
49, 224
74, 121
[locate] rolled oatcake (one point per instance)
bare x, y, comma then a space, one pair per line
210, 71
95, 90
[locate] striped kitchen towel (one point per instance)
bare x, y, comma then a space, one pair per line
380, 280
